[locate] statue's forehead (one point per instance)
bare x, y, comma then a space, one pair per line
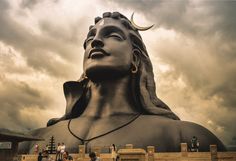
111, 25
108, 21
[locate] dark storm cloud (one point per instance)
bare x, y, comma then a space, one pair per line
3, 6
189, 17
29, 3
18, 96
24, 95
50, 54
40, 50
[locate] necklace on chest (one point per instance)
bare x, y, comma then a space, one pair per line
86, 141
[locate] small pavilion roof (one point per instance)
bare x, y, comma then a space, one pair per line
8, 135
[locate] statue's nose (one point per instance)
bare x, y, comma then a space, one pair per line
97, 42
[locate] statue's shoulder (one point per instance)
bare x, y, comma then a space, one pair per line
160, 125
179, 131
160, 131
190, 129
205, 136
159, 121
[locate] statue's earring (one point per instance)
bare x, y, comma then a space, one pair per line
135, 61
134, 68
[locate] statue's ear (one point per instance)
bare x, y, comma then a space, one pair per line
136, 57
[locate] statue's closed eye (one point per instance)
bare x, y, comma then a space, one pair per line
115, 35
111, 35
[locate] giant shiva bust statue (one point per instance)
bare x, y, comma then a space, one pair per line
114, 101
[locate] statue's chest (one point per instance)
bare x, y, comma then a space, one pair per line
104, 132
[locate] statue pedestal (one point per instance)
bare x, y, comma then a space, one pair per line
81, 151
132, 154
213, 150
184, 152
150, 152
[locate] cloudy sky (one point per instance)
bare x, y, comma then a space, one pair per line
192, 48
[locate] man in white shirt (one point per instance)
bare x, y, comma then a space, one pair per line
63, 148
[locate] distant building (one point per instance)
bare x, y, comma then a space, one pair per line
9, 143
231, 147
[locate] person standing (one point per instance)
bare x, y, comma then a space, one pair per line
47, 148
113, 152
58, 154
194, 144
36, 149
40, 157
63, 148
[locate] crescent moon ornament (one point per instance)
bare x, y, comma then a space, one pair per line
139, 27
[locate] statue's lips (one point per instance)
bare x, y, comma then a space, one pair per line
97, 53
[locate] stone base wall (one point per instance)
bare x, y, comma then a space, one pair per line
132, 154
191, 156
104, 157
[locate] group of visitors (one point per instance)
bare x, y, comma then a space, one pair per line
43, 150
65, 157
61, 154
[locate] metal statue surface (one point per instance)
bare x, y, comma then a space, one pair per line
114, 101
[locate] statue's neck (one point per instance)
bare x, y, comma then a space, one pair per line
110, 97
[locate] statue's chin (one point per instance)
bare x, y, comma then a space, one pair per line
105, 73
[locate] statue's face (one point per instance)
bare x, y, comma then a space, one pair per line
108, 49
